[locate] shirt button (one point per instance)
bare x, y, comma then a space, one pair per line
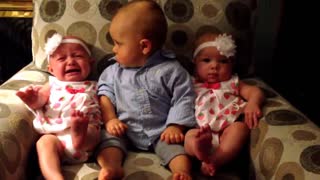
235, 106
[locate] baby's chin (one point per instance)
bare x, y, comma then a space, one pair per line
212, 80
73, 78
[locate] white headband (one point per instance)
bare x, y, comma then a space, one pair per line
224, 43
57, 39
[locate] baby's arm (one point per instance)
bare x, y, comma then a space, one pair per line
35, 96
113, 125
181, 113
173, 134
255, 97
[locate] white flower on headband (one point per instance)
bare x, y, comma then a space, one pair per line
52, 43
225, 45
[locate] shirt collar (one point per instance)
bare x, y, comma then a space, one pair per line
157, 57
160, 56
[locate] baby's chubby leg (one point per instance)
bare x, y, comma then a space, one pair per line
208, 169
110, 159
110, 154
180, 167
79, 126
50, 150
176, 158
231, 141
198, 143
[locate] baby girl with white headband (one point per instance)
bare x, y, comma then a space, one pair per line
66, 109
221, 98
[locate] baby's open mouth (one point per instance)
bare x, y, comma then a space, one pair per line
72, 70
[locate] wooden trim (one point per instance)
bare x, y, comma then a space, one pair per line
16, 9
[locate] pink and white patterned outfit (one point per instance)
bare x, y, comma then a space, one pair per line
55, 117
218, 105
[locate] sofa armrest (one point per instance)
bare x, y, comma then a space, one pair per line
17, 136
286, 143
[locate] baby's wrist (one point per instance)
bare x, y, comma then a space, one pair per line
177, 126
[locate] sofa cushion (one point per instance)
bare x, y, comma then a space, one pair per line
186, 18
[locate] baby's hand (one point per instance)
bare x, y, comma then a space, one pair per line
252, 114
30, 96
172, 135
116, 128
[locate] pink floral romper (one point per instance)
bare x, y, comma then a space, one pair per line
218, 105
56, 115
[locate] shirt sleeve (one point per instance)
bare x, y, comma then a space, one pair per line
183, 96
106, 82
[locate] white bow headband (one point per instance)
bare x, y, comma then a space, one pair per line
224, 43
55, 40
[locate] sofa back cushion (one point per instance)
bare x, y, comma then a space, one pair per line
90, 19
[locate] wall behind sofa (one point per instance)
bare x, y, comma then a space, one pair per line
294, 69
15, 45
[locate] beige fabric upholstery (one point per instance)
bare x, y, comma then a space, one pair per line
91, 19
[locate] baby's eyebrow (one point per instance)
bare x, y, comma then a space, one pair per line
203, 56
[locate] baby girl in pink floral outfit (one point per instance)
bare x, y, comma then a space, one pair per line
220, 100
66, 109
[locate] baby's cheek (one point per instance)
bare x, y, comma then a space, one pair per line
202, 73
202, 67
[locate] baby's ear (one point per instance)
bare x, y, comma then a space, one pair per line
49, 69
91, 60
194, 60
146, 46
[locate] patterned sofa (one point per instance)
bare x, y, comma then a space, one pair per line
286, 145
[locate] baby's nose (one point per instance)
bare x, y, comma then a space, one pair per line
213, 64
70, 60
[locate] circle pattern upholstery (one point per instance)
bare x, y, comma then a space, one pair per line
239, 15
179, 11
284, 117
270, 156
108, 8
289, 170
83, 29
310, 159
52, 10
81, 8
186, 19
4, 110
11, 158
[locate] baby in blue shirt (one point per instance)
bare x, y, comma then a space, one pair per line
146, 96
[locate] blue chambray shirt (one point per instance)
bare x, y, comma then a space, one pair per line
151, 97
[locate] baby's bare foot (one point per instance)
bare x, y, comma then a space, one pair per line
111, 173
79, 125
208, 169
181, 176
202, 144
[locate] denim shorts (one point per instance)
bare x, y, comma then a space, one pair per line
108, 140
167, 152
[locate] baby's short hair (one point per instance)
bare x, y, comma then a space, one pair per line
154, 26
